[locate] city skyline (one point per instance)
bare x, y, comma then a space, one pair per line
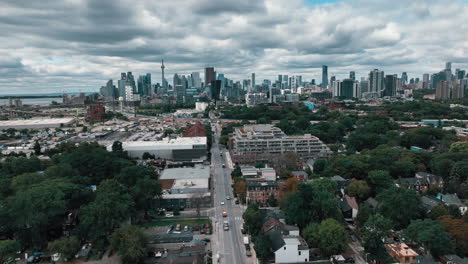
76, 46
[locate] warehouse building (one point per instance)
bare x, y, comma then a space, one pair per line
36, 123
179, 149
186, 187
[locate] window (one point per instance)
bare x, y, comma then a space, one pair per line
300, 253
284, 248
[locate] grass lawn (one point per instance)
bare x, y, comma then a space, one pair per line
181, 221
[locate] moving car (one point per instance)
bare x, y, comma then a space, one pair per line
222, 203
226, 226
228, 197
169, 215
224, 214
224, 165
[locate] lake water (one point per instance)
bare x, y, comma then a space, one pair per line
44, 101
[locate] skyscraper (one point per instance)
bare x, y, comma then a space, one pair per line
253, 81
347, 89
448, 66
144, 85
442, 90
215, 89
390, 85
376, 82
324, 76
196, 80
404, 78
210, 75
352, 75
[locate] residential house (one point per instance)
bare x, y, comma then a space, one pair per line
401, 252
449, 199
422, 181
288, 248
259, 191
300, 175
453, 259
429, 203
349, 208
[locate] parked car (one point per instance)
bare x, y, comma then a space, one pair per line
228, 197
224, 165
207, 240
222, 203
169, 215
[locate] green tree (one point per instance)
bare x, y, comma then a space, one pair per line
272, 202
438, 211
403, 169
253, 219
363, 215
379, 180
325, 184
333, 237
374, 230
130, 243
33, 212
358, 189
454, 211
399, 205
430, 234
25, 180
37, 148
117, 146
113, 205
262, 246
319, 166
67, 247
461, 146
311, 235
8, 249
147, 156
309, 204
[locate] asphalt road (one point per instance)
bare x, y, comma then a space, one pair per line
230, 243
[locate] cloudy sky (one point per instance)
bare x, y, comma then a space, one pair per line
50, 46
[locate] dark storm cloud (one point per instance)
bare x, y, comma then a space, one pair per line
81, 43
210, 7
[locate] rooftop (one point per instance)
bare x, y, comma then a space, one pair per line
166, 143
197, 172
401, 249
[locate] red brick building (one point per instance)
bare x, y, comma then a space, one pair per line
96, 112
197, 130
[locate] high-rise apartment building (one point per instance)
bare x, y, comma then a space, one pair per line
210, 75
376, 82
253, 81
324, 76
442, 90
390, 85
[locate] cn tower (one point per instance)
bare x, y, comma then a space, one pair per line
162, 73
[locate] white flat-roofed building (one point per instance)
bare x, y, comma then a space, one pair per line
257, 140
186, 187
197, 172
36, 123
190, 186
179, 149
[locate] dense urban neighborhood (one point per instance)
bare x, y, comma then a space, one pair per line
340, 182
